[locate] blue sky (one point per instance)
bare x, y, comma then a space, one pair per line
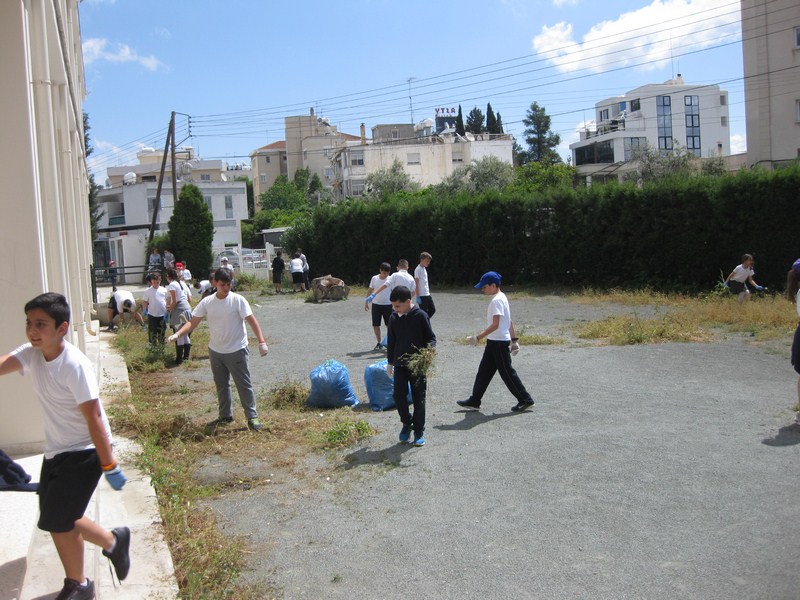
239, 67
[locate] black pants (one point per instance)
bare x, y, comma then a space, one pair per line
419, 386
426, 304
497, 358
156, 328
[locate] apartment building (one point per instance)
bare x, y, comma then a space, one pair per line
771, 53
310, 142
658, 115
45, 235
427, 157
129, 200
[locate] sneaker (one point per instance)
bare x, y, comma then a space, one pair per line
211, 426
405, 434
254, 424
522, 405
119, 556
110, 328
469, 403
73, 590
378, 347
419, 441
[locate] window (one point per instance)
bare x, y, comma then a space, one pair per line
305, 154
284, 158
723, 100
692, 120
412, 158
149, 178
692, 106
636, 105
326, 152
395, 134
622, 106
664, 120
228, 207
266, 159
601, 152
328, 173
723, 121
604, 114
357, 188
797, 37
797, 111
357, 158
207, 200
632, 144
458, 157
262, 178
205, 177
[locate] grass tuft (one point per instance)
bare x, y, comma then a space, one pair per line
630, 329
288, 394
346, 432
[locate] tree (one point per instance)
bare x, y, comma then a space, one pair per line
499, 125
191, 229
251, 200
301, 180
386, 182
283, 195
536, 176
488, 173
541, 141
491, 120
95, 212
460, 122
653, 164
475, 121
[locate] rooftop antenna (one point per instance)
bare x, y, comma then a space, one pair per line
410, 101
671, 58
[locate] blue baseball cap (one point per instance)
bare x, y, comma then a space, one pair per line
488, 278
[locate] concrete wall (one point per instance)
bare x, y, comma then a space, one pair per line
45, 236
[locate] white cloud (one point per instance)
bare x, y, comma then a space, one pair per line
106, 155
99, 49
738, 143
560, 3
647, 36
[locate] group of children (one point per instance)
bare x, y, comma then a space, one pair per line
298, 267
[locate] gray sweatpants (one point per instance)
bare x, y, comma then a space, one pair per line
225, 366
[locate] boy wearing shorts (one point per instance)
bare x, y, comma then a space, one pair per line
381, 305
77, 448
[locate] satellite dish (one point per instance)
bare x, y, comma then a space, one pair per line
470, 136
129, 178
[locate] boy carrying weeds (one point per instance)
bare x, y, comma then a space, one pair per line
77, 448
409, 333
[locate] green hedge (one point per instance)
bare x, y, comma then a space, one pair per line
675, 234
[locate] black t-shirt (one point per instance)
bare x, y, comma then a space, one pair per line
278, 265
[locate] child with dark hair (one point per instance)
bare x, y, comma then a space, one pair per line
740, 277
409, 332
278, 266
77, 447
226, 313
154, 301
793, 295
381, 305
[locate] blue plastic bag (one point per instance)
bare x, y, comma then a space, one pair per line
330, 386
380, 387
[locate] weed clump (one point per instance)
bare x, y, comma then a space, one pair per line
346, 433
288, 394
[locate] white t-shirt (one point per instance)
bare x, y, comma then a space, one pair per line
225, 321
156, 299
186, 290
401, 278
498, 305
61, 385
296, 265
421, 273
180, 293
383, 297
205, 285
742, 274
120, 296
186, 274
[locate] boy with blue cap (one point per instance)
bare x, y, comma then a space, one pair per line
501, 343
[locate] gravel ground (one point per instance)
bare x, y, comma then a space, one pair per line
661, 471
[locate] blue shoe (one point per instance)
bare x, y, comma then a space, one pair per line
405, 434
420, 441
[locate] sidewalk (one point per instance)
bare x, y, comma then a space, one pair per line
29, 565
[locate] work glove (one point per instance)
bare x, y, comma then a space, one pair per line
759, 288
263, 350
390, 370
369, 299
172, 338
472, 340
419, 301
116, 479
514, 348
725, 284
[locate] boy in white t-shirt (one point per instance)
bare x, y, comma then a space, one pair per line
737, 281
381, 305
77, 448
401, 277
122, 301
226, 313
154, 301
501, 343
425, 300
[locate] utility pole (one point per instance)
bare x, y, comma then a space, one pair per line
410, 101
157, 202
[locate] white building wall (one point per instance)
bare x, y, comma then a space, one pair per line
45, 238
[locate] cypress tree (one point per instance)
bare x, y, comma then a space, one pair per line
491, 120
460, 122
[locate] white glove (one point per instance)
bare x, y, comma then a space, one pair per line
514, 348
472, 340
263, 350
172, 338
390, 370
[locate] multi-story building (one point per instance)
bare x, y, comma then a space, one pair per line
657, 115
46, 234
428, 158
130, 199
771, 52
310, 143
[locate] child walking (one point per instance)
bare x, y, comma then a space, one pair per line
77, 448
501, 343
381, 305
423, 287
409, 332
154, 301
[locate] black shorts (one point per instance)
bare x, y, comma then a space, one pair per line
297, 277
796, 350
112, 304
737, 287
277, 276
381, 311
66, 485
